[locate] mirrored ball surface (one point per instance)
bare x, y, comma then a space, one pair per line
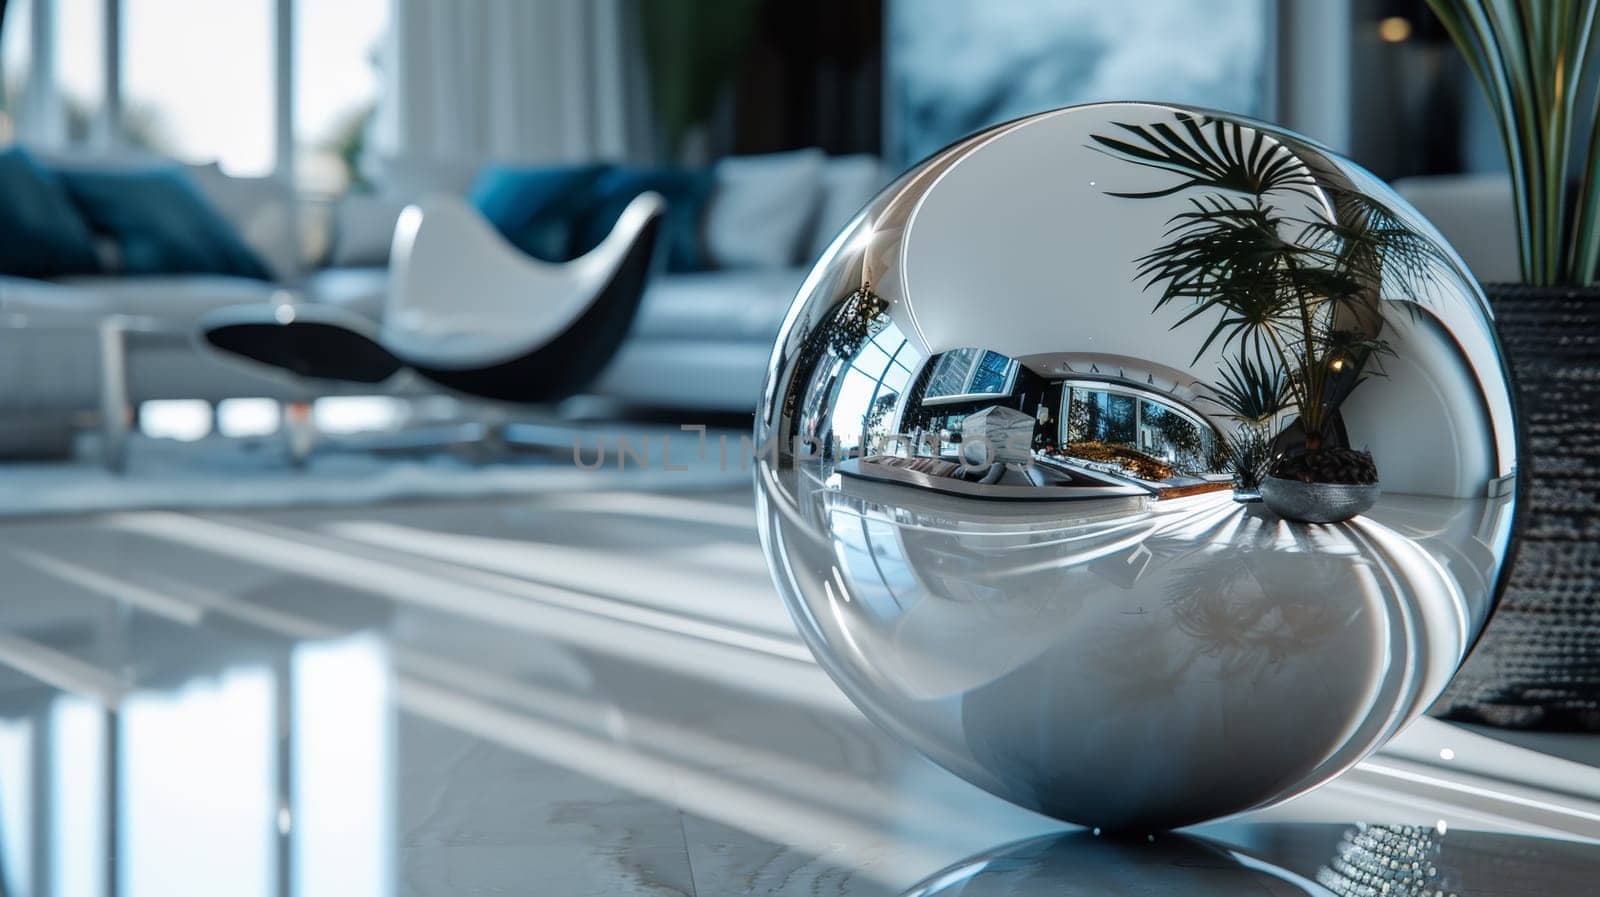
1014, 425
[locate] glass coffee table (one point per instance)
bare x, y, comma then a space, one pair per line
82, 332
118, 337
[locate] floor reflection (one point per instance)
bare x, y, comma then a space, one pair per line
393, 701
250, 678
208, 778
1282, 860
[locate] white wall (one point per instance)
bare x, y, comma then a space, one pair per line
1018, 248
1425, 422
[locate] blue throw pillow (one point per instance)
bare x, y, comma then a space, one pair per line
535, 207
682, 241
43, 234
161, 223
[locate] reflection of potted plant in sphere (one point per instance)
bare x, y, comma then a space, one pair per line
1298, 296
1254, 393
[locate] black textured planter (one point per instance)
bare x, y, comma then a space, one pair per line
1538, 663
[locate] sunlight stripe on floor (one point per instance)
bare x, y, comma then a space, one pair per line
61, 670
118, 588
658, 505
888, 854
790, 675
643, 580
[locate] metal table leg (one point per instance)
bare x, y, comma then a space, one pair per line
299, 432
116, 411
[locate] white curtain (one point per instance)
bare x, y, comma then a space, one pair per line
470, 81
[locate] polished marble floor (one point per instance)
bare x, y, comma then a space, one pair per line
579, 693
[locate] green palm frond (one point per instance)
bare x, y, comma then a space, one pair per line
1210, 153
1297, 298
1368, 243
1249, 455
1252, 390
1222, 256
1532, 60
1349, 358
1352, 349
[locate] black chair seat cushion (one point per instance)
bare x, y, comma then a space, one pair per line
313, 349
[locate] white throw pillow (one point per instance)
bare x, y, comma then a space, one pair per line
762, 207
848, 183
363, 229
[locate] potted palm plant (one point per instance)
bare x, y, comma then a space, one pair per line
1254, 394
1539, 663
1289, 273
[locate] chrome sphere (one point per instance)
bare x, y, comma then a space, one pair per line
1000, 436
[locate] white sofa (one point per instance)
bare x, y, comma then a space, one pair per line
701, 341
1476, 214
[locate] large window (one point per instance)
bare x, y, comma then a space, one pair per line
1096, 415
15, 60
67, 106
1126, 416
80, 35
869, 390
198, 80
338, 65
964, 374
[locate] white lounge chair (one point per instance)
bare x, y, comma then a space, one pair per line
465, 309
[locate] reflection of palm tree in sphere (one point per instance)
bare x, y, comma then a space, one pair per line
1223, 603
1233, 617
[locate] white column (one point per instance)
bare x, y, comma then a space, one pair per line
386, 121
608, 64
42, 121
1313, 68
283, 167
283, 94
108, 126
